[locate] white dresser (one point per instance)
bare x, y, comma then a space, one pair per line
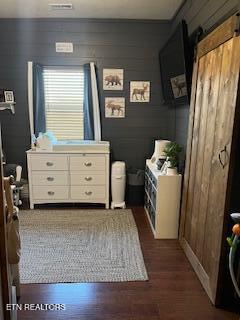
162, 202
69, 174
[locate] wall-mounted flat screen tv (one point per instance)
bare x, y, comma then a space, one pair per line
176, 67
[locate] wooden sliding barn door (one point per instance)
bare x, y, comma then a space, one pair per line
212, 115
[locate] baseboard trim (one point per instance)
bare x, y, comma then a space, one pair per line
197, 267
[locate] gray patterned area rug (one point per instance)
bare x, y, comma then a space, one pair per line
80, 246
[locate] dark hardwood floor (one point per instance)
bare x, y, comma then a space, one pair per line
172, 292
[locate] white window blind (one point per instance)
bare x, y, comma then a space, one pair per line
64, 93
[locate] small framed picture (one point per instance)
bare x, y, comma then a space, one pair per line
9, 96
115, 107
179, 86
139, 91
112, 79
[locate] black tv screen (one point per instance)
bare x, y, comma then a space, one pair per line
176, 67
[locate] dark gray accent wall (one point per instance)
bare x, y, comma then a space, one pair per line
131, 45
206, 14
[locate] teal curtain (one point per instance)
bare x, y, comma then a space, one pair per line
38, 99
88, 105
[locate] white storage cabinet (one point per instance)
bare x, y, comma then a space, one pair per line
56, 177
162, 202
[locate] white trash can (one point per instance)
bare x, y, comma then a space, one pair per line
118, 180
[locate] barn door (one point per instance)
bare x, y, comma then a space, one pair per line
213, 106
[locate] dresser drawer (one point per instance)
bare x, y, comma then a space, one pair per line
50, 178
88, 178
87, 162
49, 162
50, 192
87, 192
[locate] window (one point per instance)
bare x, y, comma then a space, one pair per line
64, 92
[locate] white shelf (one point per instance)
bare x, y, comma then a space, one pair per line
150, 222
167, 193
7, 106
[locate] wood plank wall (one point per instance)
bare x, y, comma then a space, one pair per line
131, 45
207, 14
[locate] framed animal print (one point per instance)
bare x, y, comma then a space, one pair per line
115, 107
179, 86
139, 91
112, 79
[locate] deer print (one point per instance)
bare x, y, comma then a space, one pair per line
114, 107
179, 86
112, 80
140, 91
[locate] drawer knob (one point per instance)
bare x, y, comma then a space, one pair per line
88, 164
49, 164
51, 193
50, 179
88, 193
88, 178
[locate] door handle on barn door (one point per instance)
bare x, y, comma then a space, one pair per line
222, 161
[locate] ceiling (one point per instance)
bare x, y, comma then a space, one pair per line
122, 9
